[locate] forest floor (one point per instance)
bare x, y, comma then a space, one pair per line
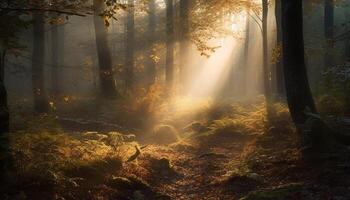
207, 150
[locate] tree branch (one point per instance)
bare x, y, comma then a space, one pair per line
44, 10
256, 21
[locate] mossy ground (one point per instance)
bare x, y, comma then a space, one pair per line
223, 150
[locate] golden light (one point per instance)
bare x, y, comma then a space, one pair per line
213, 71
237, 22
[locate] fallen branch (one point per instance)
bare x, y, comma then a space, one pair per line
135, 155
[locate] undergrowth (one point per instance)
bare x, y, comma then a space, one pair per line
62, 165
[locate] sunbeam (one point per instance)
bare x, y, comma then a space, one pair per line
174, 99
214, 71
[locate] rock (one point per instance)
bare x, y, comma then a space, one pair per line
92, 135
84, 171
162, 167
255, 177
165, 134
137, 195
243, 183
128, 183
129, 138
120, 183
196, 127
164, 164
283, 192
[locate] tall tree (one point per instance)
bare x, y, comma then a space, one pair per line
184, 36
41, 104
266, 69
107, 82
329, 36
57, 49
5, 158
151, 66
246, 52
170, 43
4, 113
347, 44
296, 80
279, 67
129, 53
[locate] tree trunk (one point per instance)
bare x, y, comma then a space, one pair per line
57, 51
170, 44
329, 36
4, 113
107, 82
279, 67
266, 69
296, 80
328, 30
5, 158
151, 67
41, 104
347, 46
184, 38
246, 54
129, 54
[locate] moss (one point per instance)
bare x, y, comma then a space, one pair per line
328, 105
62, 163
165, 134
284, 192
243, 183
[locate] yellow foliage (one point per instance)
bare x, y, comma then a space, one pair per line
149, 102
42, 154
276, 54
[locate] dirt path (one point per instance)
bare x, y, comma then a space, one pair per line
198, 168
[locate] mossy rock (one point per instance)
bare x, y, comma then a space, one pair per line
165, 134
243, 183
120, 183
329, 105
196, 127
284, 192
128, 183
162, 167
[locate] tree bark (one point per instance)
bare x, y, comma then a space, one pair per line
151, 67
170, 44
328, 30
329, 36
184, 38
129, 53
41, 104
57, 51
347, 46
5, 158
279, 67
296, 80
107, 82
266, 69
246, 54
4, 112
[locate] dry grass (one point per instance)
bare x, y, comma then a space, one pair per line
63, 165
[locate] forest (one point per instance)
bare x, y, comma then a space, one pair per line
175, 99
